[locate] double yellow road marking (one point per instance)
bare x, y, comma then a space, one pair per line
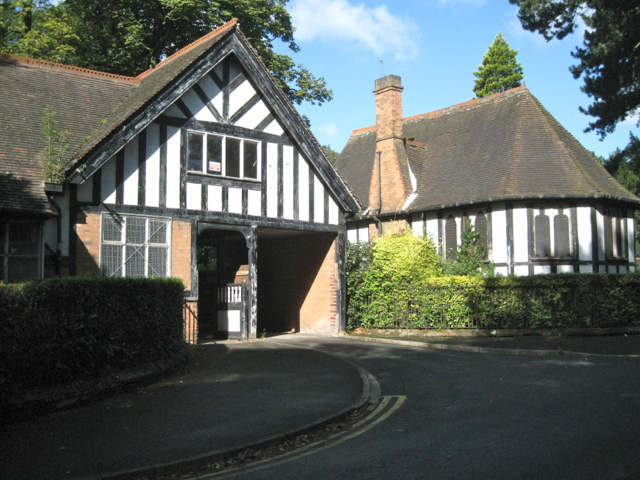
384, 410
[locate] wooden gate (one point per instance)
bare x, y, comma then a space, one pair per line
231, 303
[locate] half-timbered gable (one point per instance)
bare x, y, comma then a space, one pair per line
539, 200
203, 170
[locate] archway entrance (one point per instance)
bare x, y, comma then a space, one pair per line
223, 279
297, 275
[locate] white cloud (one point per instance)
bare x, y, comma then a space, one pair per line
515, 30
375, 29
330, 130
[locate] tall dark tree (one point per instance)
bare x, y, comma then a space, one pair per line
624, 165
37, 29
499, 71
609, 60
129, 36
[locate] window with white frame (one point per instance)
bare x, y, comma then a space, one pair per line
20, 250
224, 156
134, 246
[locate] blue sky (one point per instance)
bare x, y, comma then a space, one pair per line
435, 46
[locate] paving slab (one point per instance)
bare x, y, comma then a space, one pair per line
231, 396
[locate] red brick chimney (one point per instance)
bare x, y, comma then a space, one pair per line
389, 188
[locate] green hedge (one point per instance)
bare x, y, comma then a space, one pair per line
541, 301
60, 330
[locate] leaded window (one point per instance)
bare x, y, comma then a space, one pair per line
542, 235
451, 238
135, 246
224, 156
616, 244
561, 236
483, 232
20, 250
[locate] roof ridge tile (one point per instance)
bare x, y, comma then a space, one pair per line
226, 26
468, 104
26, 61
453, 108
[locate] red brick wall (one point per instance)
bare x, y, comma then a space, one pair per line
181, 251
394, 191
390, 145
88, 244
297, 282
389, 110
319, 311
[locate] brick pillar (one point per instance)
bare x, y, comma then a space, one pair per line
319, 311
388, 190
88, 244
181, 251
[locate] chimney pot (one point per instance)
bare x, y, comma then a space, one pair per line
388, 81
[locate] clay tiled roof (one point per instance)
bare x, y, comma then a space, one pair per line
503, 147
153, 81
80, 98
88, 103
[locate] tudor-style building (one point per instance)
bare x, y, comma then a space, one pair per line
540, 201
199, 168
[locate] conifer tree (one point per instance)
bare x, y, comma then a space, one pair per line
499, 70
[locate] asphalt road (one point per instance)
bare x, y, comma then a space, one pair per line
477, 416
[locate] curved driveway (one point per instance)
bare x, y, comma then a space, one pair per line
477, 416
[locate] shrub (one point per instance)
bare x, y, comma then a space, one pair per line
381, 276
60, 330
541, 301
470, 257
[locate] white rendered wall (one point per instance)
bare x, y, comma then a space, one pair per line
499, 235
194, 196
287, 182
211, 90
130, 187
173, 167
585, 242
303, 189
600, 230
538, 269
352, 233
520, 235
417, 225
630, 236
334, 212
214, 197
197, 107
272, 180
85, 190
254, 199
108, 181
152, 167
318, 200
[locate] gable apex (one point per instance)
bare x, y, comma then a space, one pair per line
163, 86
